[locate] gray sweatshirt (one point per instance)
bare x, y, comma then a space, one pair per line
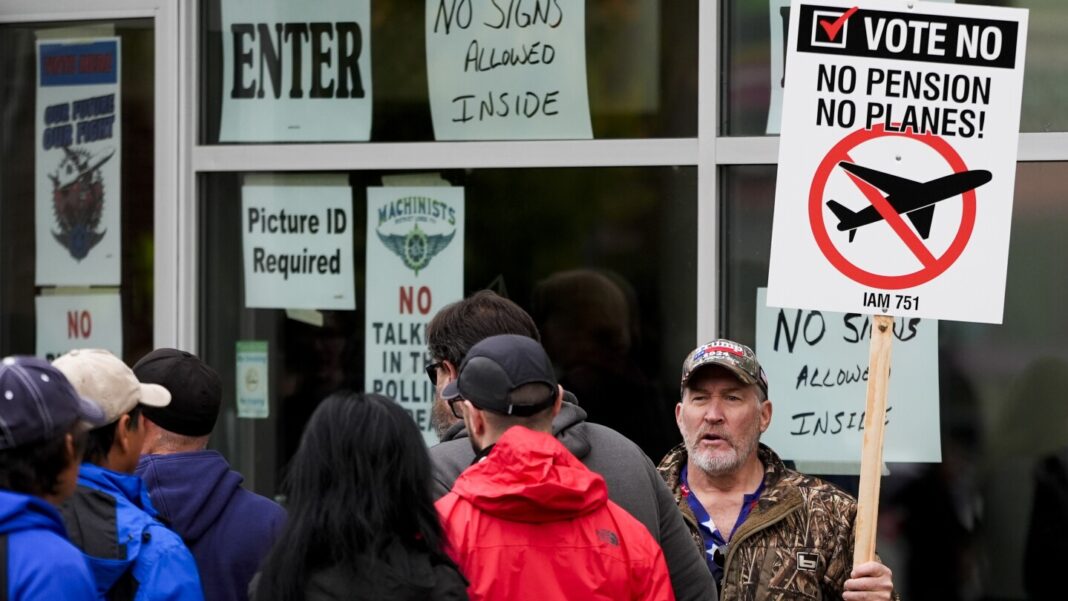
633, 484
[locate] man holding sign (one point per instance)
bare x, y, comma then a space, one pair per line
741, 503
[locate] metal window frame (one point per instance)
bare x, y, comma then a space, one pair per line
167, 141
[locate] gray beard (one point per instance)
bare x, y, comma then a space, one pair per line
724, 463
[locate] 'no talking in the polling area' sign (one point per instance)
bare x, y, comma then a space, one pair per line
897, 159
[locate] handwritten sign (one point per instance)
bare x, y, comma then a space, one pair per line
296, 71
507, 71
817, 366
415, 259
78, 195
297, 240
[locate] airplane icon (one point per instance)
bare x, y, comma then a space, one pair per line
915, 200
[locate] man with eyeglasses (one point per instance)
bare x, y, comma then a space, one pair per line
632, 480
766, 531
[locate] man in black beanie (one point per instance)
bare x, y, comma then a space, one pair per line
228, 529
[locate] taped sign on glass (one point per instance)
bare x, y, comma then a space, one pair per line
296, 235
85, 320
507, 71
897, 158
296, 71
78, 190
252, 369
817, 366
415, 261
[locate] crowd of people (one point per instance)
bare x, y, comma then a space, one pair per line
108, 489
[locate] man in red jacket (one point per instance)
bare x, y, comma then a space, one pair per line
528, 520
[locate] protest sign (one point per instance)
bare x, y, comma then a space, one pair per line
892, 110
514, 71
415, 266
78, 192
296, 71
897, 159
297, 239
70, 321
817, 366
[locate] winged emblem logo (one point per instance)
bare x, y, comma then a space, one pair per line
416, 248
78, 200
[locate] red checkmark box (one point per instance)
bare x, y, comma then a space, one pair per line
832, 29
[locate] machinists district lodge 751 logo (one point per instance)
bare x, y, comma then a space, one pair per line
399, 229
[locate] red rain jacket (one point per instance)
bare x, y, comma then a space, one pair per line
530, 521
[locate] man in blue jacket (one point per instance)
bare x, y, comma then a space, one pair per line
41, 442
228, 529
131, 553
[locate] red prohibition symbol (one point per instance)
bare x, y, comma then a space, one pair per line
932, 266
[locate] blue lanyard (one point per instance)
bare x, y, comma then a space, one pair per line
710, 533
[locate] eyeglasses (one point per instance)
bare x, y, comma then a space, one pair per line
432, 371
453, 406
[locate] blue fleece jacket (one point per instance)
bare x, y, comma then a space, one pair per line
229, 529
42, 564
159, 561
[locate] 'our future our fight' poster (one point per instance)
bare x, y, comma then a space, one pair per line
77, 194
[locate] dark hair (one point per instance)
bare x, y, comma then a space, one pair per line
359, 481
463, 324
33, 469
101, 439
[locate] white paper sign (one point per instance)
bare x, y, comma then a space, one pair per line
817, 366
252, 379
297, 241
296, 71
70, 321
897, 159
78, 191
415, 259
507, 71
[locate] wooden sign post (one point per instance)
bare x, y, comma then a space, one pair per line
871, 462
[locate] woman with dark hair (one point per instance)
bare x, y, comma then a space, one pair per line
361, 522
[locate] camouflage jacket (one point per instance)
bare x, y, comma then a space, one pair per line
797, 542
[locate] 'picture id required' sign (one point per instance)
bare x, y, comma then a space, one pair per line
297, 242
897, 158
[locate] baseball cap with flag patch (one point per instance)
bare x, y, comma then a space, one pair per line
738, 358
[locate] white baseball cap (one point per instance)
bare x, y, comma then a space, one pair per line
102, 377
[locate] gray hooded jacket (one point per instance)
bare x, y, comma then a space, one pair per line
633, 484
